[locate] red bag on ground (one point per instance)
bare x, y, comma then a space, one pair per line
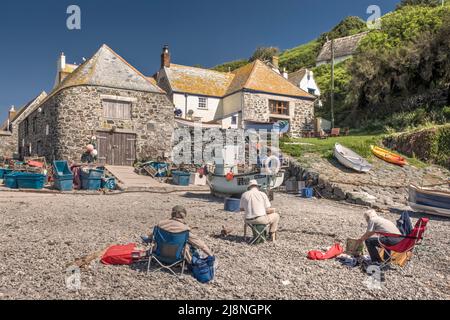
119, 255
332, 253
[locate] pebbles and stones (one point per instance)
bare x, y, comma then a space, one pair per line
35, 255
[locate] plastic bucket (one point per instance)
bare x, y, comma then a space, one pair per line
232, 205
307, 193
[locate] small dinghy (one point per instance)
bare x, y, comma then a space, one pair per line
351, 159
388, 156
429, 201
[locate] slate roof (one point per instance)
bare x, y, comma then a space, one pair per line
30, 105
297, 76
342, 47
106, 68
256, 76
198, 80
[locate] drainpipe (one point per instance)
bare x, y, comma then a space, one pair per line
185, 105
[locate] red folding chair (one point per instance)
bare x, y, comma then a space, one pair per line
408, 243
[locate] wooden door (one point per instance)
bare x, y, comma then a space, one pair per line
118, 149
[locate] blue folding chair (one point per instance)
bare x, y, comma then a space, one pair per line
168, 250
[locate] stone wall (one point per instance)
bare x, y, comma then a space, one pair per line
431, 145
69, 119
301, 112
8, 144
256, 108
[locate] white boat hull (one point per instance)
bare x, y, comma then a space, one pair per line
429, 210
351, 159
220, 185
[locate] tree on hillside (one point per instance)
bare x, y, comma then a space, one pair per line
264, 53
432, 3
347, 27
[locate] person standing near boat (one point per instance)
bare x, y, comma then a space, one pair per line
258, 209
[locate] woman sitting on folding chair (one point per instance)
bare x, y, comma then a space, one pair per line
378, 225
177, 224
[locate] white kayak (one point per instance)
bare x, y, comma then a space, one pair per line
351, 159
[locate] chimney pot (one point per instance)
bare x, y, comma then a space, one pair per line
165, 57
275, 62
12, 113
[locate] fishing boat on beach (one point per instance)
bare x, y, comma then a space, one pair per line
435, 202
227, 178
388, 156
351, 159
232, 185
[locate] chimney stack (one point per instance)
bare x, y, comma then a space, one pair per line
12, 113
62, 62
275, 62
165, 57
285, 74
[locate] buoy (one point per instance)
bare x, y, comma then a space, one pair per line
230, 176
272, 169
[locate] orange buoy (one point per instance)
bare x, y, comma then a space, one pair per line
230, 176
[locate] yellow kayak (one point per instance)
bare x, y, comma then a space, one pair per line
388, 156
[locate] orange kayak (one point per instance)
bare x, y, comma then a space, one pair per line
388, 156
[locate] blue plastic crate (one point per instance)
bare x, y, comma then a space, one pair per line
91, 184
92, 174
10, 180
61, 169
64, 184
31, 181
3, 172
109, 183
181, 178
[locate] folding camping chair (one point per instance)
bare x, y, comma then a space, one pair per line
260, 232
168, 250
408, 243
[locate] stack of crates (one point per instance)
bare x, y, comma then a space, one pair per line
63, 176
92, 179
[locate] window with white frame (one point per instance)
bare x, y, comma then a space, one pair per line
202, 103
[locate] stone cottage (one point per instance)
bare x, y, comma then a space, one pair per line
254, 93
9, 131
106, 98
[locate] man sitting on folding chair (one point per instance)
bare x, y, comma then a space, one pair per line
258, 212
379, 225
175, 239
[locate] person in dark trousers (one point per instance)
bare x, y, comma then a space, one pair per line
375, 225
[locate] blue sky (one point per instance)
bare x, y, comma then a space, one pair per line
205, 32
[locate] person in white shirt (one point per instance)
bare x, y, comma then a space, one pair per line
375, 225
258, 209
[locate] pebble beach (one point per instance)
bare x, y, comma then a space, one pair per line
42, 234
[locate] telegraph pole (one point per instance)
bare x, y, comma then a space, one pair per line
332, 83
